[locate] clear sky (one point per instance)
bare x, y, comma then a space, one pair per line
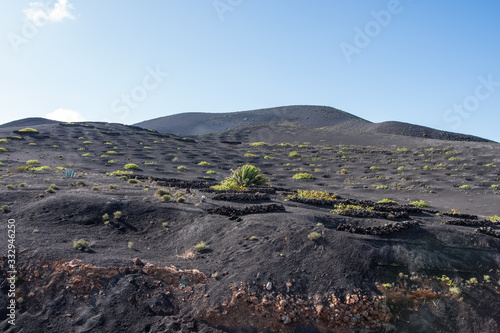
432, 63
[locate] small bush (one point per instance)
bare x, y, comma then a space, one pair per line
343, 172
386, 201
294, 154
117, 214
464, 187
314, 236
10, 186
200, 247
203, 163
161, 192
166, 197
258, 144
427, 167
315, 194
5, 208
81, 245
111, 152
95, 188
495, 187
86, 155
28, 129
453, 158
284, 144
181, 199
420, 204
3, 149
80, 183
494, 218
113, 187
105, 217
130, 245
449, 152
31, 162
121, 173
491, 165
268, 157
4, 141
23, 184
211, 172
131, 166
133, 181
404, 150
181, 168
401, 168
250, 155
381, 187
303, 175
303, 146
374, 167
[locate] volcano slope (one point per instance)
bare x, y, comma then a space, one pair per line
272, 258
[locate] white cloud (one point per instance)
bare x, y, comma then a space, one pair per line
39, 13
67, 115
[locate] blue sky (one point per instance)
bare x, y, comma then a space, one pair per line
415, 61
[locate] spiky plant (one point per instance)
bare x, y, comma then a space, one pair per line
248, 175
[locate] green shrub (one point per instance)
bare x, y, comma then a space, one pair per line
10, 186
4, 141
95, 188
374, 167
131, 166
491, 165
495, 187
268, 157
113, 187
464, 187
181, 168
449, 152
133, 181
303, 175
427, 167
80, 183
211, 172
105, 217
314, 236
86, 155
3, 149
28, 129
111, 152
161, 192
166, 197
303, 146
341, 208
258, 144
284, 144
386, 201
81, 245
4, 208
203, 163
401, 168
293, 154
121, 173
343, 172
420, 204
381, 187
23, 184
404, 150
314, 194
200, 247
31, 162
494, 218
250, 155
453, 158
181, 199
117, 214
